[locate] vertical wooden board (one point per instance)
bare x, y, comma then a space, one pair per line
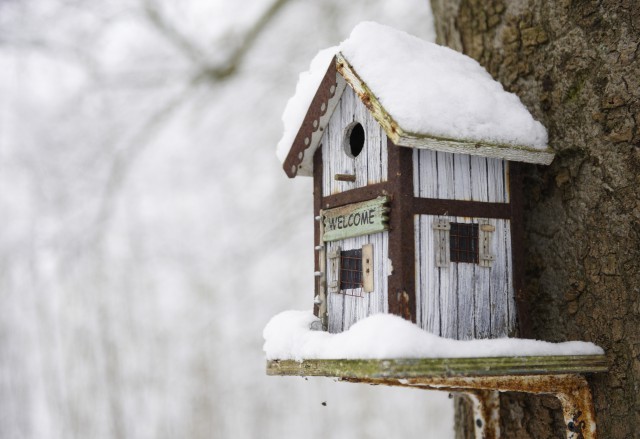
429, 174
479, 184
461, 177
445, 175
500, 283
332, 140
416, 174
427, 285
384, 154
383, 299
465, 286
505, 179
366, 159
326, 162
482, 295
351, 303
335, 302
452, 299
362, 304
372, 146
345, 164
420, 291
496, 181
378, 298
430, 277
511, 300
448, 297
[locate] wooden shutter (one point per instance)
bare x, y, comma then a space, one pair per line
441, 229
485, 238
334, 270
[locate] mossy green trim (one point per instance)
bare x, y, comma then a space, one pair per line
440, 367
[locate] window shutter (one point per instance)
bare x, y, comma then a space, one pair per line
334, 270
485, 238
367, 268
441, 229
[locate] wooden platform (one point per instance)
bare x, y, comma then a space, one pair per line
441, 367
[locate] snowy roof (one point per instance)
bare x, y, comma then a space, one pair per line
288, 337
423, 95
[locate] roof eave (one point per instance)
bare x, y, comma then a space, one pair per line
299, 160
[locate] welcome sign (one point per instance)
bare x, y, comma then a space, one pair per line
356, 219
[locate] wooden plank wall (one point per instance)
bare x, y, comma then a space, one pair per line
463, 300
459, 177
344, 310
370, 166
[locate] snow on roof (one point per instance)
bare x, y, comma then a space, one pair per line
296, 109
424, 96
385, 336
435, 91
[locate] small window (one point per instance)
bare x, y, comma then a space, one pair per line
351, 269
354, 140
463, 241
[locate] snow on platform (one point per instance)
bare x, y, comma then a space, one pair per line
383, 336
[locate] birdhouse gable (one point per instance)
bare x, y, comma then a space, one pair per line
354, 147
422, 95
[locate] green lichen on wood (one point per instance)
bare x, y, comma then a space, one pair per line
441, 367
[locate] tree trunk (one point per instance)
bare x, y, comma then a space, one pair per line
574, 65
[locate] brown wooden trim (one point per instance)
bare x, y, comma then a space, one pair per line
518, 250
476, 209
317, 205
314, 113
401, 286
355, 195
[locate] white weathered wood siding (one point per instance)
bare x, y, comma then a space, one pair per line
370, 166
344, 310
464, 300
459, 177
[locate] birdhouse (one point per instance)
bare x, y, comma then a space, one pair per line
415, 158
415, 154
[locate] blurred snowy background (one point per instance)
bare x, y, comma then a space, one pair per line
148, 232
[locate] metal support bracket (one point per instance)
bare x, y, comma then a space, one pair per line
572, 390
480, 379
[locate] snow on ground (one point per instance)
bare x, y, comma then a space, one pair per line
288, 337
427, 89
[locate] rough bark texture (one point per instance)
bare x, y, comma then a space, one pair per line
575, 65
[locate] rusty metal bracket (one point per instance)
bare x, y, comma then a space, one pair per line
572, 391
479, 379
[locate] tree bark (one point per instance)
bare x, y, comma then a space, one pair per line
574, 64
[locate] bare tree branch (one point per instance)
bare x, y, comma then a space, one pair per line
172, 34
236, 57
229, 66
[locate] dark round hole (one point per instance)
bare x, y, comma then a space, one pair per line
356, 140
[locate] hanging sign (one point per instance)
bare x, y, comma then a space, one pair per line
356, 219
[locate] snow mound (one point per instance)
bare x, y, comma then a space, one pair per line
383, 336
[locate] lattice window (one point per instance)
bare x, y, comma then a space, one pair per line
350, 269
463, 243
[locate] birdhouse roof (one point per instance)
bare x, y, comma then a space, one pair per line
423, 95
